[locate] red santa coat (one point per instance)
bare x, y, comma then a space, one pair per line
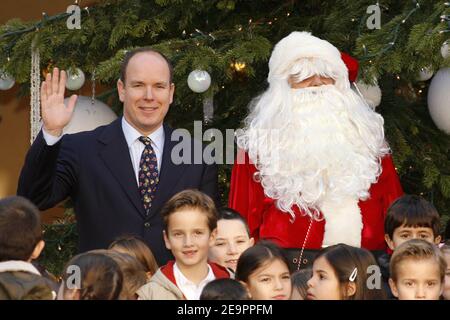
266, 221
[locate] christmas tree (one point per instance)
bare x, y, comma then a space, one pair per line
399, 44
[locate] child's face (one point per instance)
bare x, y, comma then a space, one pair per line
188, 237
324, 284
446, 293
232, 239
272, 281
417, 279
404, 233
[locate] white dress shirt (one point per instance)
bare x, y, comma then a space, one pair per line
191, 290
134, 145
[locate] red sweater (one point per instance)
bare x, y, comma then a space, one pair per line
266, 221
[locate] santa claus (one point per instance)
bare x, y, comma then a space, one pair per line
314, 168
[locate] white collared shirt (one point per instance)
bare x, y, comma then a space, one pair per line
136, 147
191, 290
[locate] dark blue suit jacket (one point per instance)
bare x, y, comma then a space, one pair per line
94, 168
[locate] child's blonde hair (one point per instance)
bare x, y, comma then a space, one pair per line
417, 249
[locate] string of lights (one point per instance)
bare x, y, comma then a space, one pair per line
396, 30
40, 24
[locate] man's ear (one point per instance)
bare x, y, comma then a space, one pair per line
350, 289
389, 242
166, 240
172, 91
393, 287
37, 250
252, 241
437, 240
121, 90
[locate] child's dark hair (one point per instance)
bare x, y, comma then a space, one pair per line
415, 250
300, 281
20, 228
224, 289
411, 211
134, 274
137, 248
190, 199
230, 214
101, 277
256, 257
344, 260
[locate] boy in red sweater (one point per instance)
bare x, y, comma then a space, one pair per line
190, 219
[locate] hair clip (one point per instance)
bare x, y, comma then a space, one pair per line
353, 275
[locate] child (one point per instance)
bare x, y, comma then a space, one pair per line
20, 243
340, 272
224, 289
134, 274
137, 248
233, 238
445, 249
411, 217
417, 271
408, 217
190, 222
264, 270
300, 280
91, 276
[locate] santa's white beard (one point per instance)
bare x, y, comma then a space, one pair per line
318, 148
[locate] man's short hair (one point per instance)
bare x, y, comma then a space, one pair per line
132, 53
415, 250
20, 228
190, 199
411, 211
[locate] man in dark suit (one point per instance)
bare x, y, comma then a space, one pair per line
120, 175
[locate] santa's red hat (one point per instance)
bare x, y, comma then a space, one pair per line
302, 45
352, 66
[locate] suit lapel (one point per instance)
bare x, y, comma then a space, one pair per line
169, 174
116, 156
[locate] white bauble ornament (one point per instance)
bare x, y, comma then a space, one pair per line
425, 73
371, 93
439, 99
89, 114
75, 79
445, 50
199, 81
6, 81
